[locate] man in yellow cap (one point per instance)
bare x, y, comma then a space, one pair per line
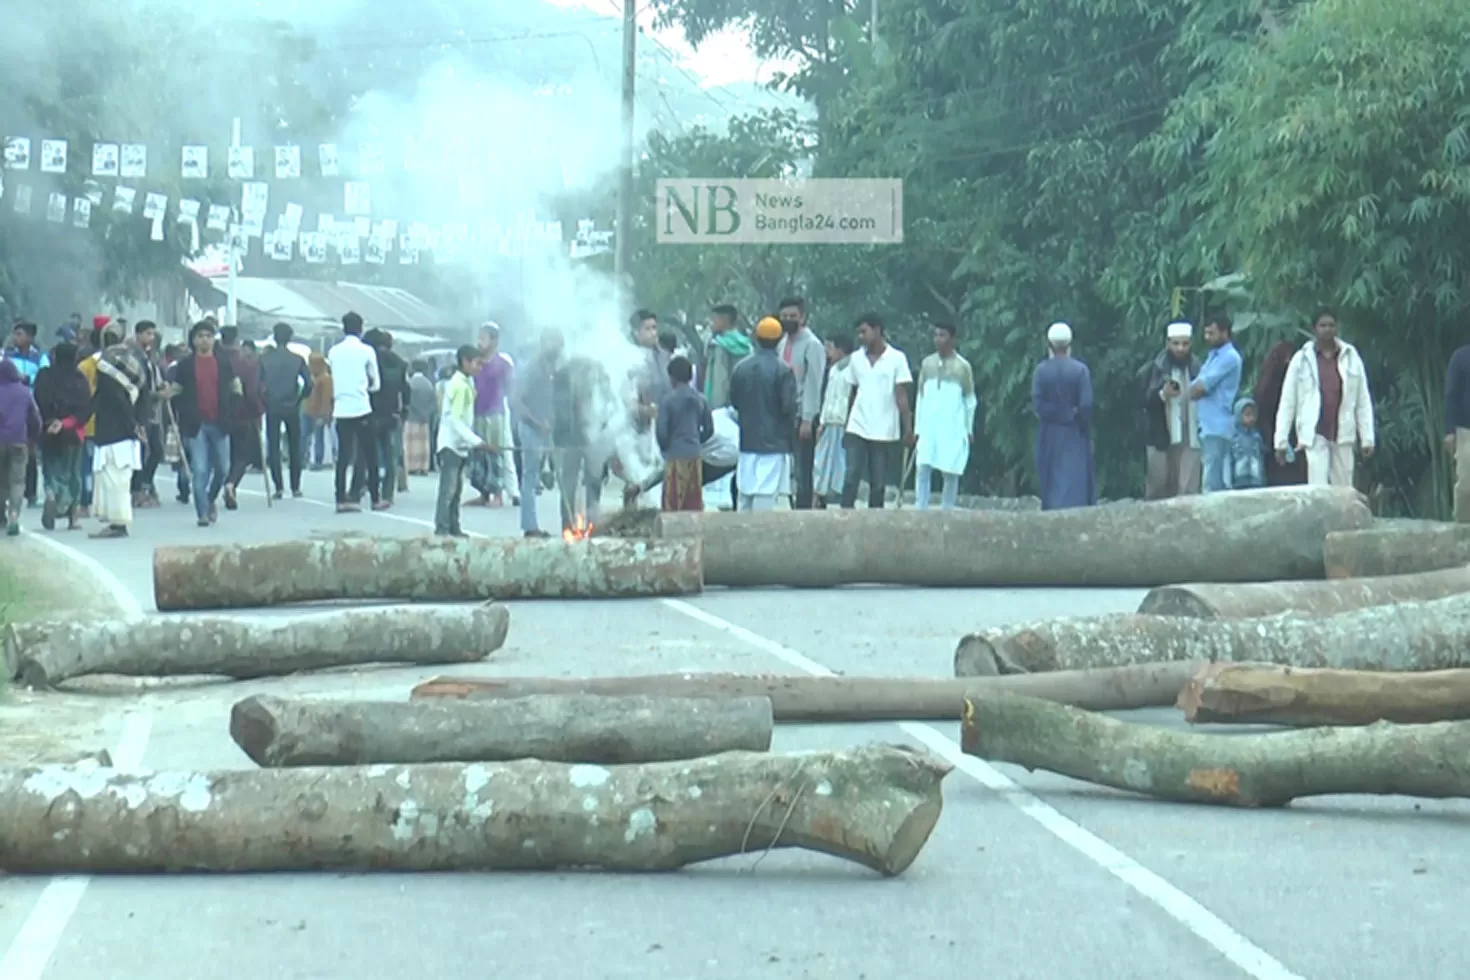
764, 399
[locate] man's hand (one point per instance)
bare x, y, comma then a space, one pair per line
805, 432
1449, 445
1197, 390
54, 427
1367, 452
1281, 456
911, 438
142, 434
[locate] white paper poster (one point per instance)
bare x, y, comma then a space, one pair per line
81, 212
369, 159
94, 193
134, 161
237, 240
253, 225
104, 159
188, 210
56, 208
350, 249
17, 153
282, 246
195, 164
376, 251
242, 163
156, 232
362, 227
219, 217
314, 247
327, 153
288, 162
23, 199
53, 156
155, 206
291, 217
326, 224
125, 199
357, 197
255, 198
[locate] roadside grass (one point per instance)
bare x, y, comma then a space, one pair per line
11, 601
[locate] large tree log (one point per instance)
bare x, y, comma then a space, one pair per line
1396, 547
1218, 600
1238, 770
554, 728
844, 699
425, 569
1251, 535
874, 805
1410, 636
161, 646
1272, 695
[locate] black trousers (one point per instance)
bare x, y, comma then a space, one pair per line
291, 419
806, 458
152, 456
868, 460
357, 447
244, 451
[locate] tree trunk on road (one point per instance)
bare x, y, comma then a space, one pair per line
1214, 600
1253, 535
424, 569
1411, 636
1398, 547
874, 805
1232, 770
553, 728
1271, 695
846, 699
51, 652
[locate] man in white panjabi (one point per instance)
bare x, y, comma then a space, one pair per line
763, 398
1171, 418
944, 419
122, 407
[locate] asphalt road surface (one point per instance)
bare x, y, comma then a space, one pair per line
1026, 876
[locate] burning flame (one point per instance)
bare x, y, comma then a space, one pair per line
579, 531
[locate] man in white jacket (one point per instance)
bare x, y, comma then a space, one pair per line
1325, 398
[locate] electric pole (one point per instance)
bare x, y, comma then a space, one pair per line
625, 168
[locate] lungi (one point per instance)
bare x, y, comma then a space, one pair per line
829, 468
416, 447
684, 484
112, 474
487, 464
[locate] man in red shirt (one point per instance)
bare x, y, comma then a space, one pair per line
205, 391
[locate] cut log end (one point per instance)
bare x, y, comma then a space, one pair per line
253, 727
1177, 600
976, 656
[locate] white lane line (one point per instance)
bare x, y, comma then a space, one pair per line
1246, 955
127, 603
34, 945
1254, 961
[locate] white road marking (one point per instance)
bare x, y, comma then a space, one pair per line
127, 603
1254, 961
35, 943
1251, 959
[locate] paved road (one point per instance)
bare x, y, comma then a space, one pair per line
1027, 876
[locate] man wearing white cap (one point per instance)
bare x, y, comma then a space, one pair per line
1061, 395
1173, 425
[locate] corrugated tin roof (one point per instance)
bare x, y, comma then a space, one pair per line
304, 301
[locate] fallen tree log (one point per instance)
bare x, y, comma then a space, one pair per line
51, 652
424, 569
1238, 770
1252, 535
1245, 600
1270, 695
1411, 636
874, 805
1396, 547
553, 728
845, 699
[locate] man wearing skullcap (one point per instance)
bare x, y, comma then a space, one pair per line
1061, 395
1173, 426
763, 397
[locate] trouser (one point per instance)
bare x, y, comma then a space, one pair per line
1462, 476
388, 434
1172, 472
88, 478
14, 463
209, 463
273, 422
357, 447
244, 450
866, 459
1214, 451
152, 456
578, 469
31, 477
451, 487
923, 486
805, 458
533, 452
1329, 463
318, 433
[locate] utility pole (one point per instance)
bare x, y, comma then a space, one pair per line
625, 169
232, 301
873, 25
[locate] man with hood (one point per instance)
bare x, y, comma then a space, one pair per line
728, 346
29, 359
20, 429
317, 412
1326, 400
102, 337
766, 403
65, 402
123, 404
1061, 396
1246, 467
1169, 413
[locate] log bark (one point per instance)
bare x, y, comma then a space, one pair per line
848, 699
1271, 695
1413, 636
423, 569
874, 805
1216, 600
1396, 547
553, 728
1253, 535
1239, 770
51, 652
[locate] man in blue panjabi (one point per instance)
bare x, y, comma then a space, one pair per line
1061, 395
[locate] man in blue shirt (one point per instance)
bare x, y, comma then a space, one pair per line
1215, 390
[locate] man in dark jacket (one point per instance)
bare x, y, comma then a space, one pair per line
1173, 432
764, 398
390, 404
287, 383
242, 424
205, 393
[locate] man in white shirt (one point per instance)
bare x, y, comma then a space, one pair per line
880, 414
354, 378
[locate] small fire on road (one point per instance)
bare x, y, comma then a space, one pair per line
579, 531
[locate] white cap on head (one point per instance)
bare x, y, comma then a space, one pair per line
1059, 335
1179, 330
